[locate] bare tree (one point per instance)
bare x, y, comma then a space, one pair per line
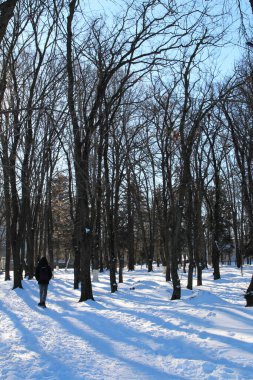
238, 113
129, 44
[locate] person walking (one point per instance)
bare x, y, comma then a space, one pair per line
43, 275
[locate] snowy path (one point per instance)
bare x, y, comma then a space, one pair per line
132, 334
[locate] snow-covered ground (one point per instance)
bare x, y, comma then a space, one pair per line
131, 334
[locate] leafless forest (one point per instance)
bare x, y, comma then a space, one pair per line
120, 144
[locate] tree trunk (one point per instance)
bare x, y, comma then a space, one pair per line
77, 258
121, 267
85, 275
110, 223
190, 275
6, 13
216, 231
81, 156
7, 203
130, 225
7, 254
97, 250
177, 217
215, 260
190, 239
15, 246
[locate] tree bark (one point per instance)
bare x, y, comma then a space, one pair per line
130, 225
6, 13
81, 156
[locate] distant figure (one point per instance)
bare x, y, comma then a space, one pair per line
43, 275
249, 293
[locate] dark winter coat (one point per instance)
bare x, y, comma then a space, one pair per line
43, 272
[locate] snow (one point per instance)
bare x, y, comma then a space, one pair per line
132, 334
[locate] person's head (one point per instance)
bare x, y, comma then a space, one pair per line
43, 261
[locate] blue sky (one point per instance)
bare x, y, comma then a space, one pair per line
235, 39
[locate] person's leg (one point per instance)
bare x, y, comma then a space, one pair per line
41, 294
44, 294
